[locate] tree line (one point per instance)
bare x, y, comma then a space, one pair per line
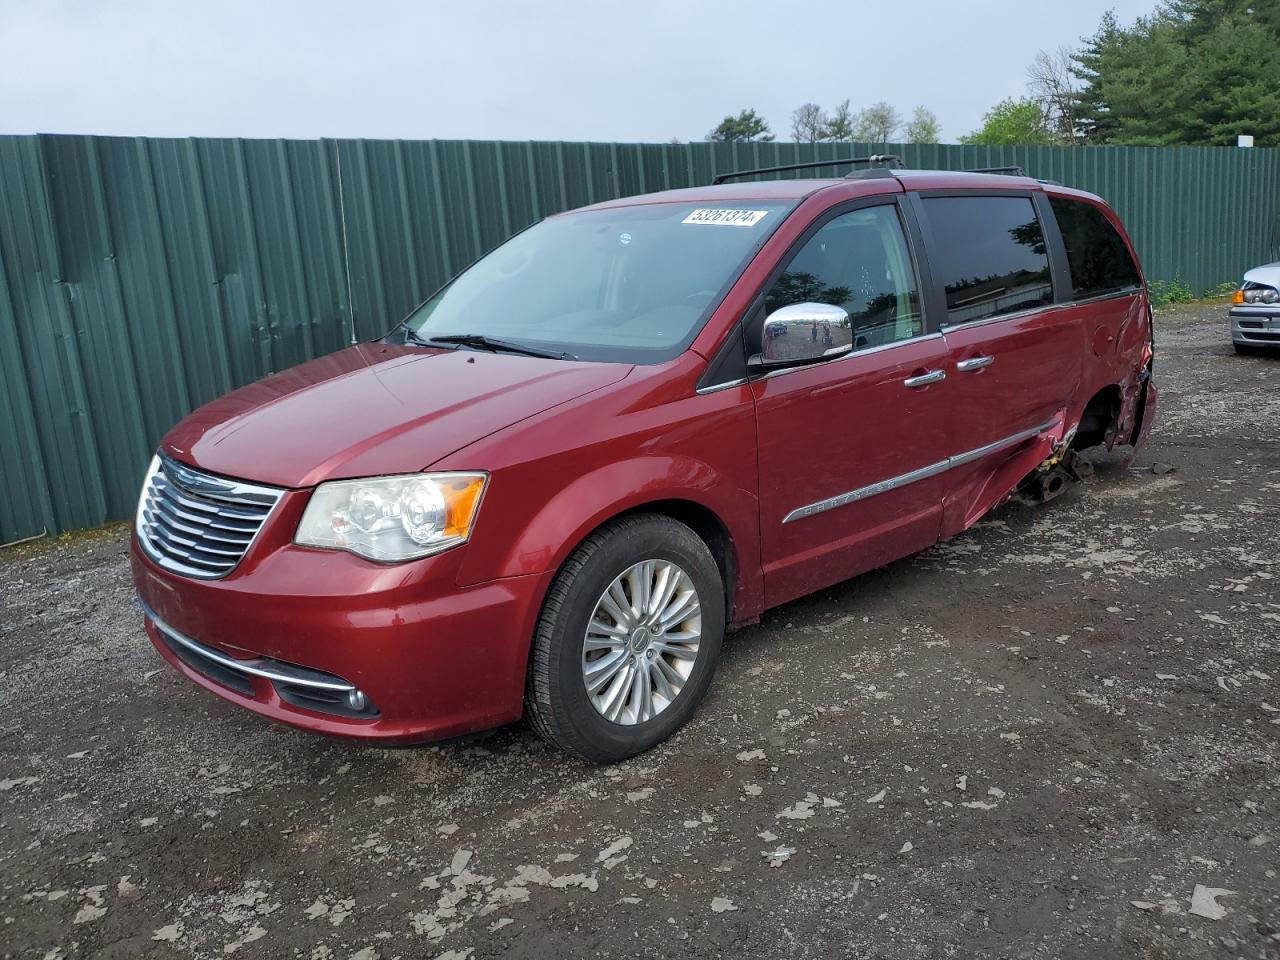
1193, 72
810, 123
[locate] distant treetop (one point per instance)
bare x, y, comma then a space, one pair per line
746, 127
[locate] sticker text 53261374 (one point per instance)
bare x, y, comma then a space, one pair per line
726, 218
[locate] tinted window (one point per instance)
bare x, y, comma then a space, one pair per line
990, 255
1099, 260
858, 261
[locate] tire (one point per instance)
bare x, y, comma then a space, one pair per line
557, 701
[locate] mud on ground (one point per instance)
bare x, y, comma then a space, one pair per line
992, 749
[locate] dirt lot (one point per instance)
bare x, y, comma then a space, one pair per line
989, 750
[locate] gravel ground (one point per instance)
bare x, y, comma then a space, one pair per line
992, 749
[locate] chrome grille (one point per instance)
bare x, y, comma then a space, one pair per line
198, 524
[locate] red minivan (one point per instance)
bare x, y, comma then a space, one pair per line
554, 486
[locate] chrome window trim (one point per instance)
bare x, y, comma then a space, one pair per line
935, 335
717, 387
1099, 297
913, 476
727, 385
277, 673
1000, 317
1044, 308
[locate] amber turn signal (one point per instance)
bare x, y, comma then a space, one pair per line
461, 497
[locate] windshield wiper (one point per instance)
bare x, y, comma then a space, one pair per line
412, 336
493, 343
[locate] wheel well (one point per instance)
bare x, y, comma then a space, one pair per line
1099, 415
710, 529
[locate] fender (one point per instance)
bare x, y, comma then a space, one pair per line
1130, 395
1145, 416
1129, 367
561, 523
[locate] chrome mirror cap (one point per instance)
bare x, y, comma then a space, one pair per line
803, 333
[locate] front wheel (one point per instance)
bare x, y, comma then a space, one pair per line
627, 641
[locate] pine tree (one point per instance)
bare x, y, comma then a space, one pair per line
1193, 72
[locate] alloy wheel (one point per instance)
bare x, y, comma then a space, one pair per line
641, 642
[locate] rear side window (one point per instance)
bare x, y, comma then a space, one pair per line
989, 254
1099, 260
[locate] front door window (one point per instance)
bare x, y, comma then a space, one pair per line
858, 261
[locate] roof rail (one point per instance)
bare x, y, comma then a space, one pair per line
886, 159
1012, 170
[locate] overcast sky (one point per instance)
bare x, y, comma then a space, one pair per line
551, 70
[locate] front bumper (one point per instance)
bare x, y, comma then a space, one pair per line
1256, 326
292, 632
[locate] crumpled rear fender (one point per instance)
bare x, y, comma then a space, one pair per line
1145, 416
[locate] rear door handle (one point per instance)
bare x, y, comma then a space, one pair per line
974, 363
933, 376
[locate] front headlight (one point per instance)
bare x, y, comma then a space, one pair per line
392, 519
1258, 294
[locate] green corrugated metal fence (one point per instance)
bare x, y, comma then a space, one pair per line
140, 278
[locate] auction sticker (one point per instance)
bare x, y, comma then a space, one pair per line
726, 218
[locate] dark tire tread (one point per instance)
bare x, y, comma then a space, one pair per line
540, 707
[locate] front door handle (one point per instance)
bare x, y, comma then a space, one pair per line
933, 376
974, 363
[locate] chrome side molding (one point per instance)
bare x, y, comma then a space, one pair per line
913, 476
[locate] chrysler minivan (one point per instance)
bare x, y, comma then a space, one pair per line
553, 488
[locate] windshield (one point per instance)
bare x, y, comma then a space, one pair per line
632, 284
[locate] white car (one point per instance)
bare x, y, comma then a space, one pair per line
1255, 311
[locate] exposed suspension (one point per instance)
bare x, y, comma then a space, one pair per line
1057, 472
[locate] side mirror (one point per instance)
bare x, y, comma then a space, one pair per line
803, 333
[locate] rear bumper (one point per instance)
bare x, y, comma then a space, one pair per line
290, 641
1256, 327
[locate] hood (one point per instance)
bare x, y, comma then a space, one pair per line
374, 409
1268, 274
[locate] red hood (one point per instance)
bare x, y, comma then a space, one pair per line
374, 409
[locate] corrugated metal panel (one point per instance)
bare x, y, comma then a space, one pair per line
140, 278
